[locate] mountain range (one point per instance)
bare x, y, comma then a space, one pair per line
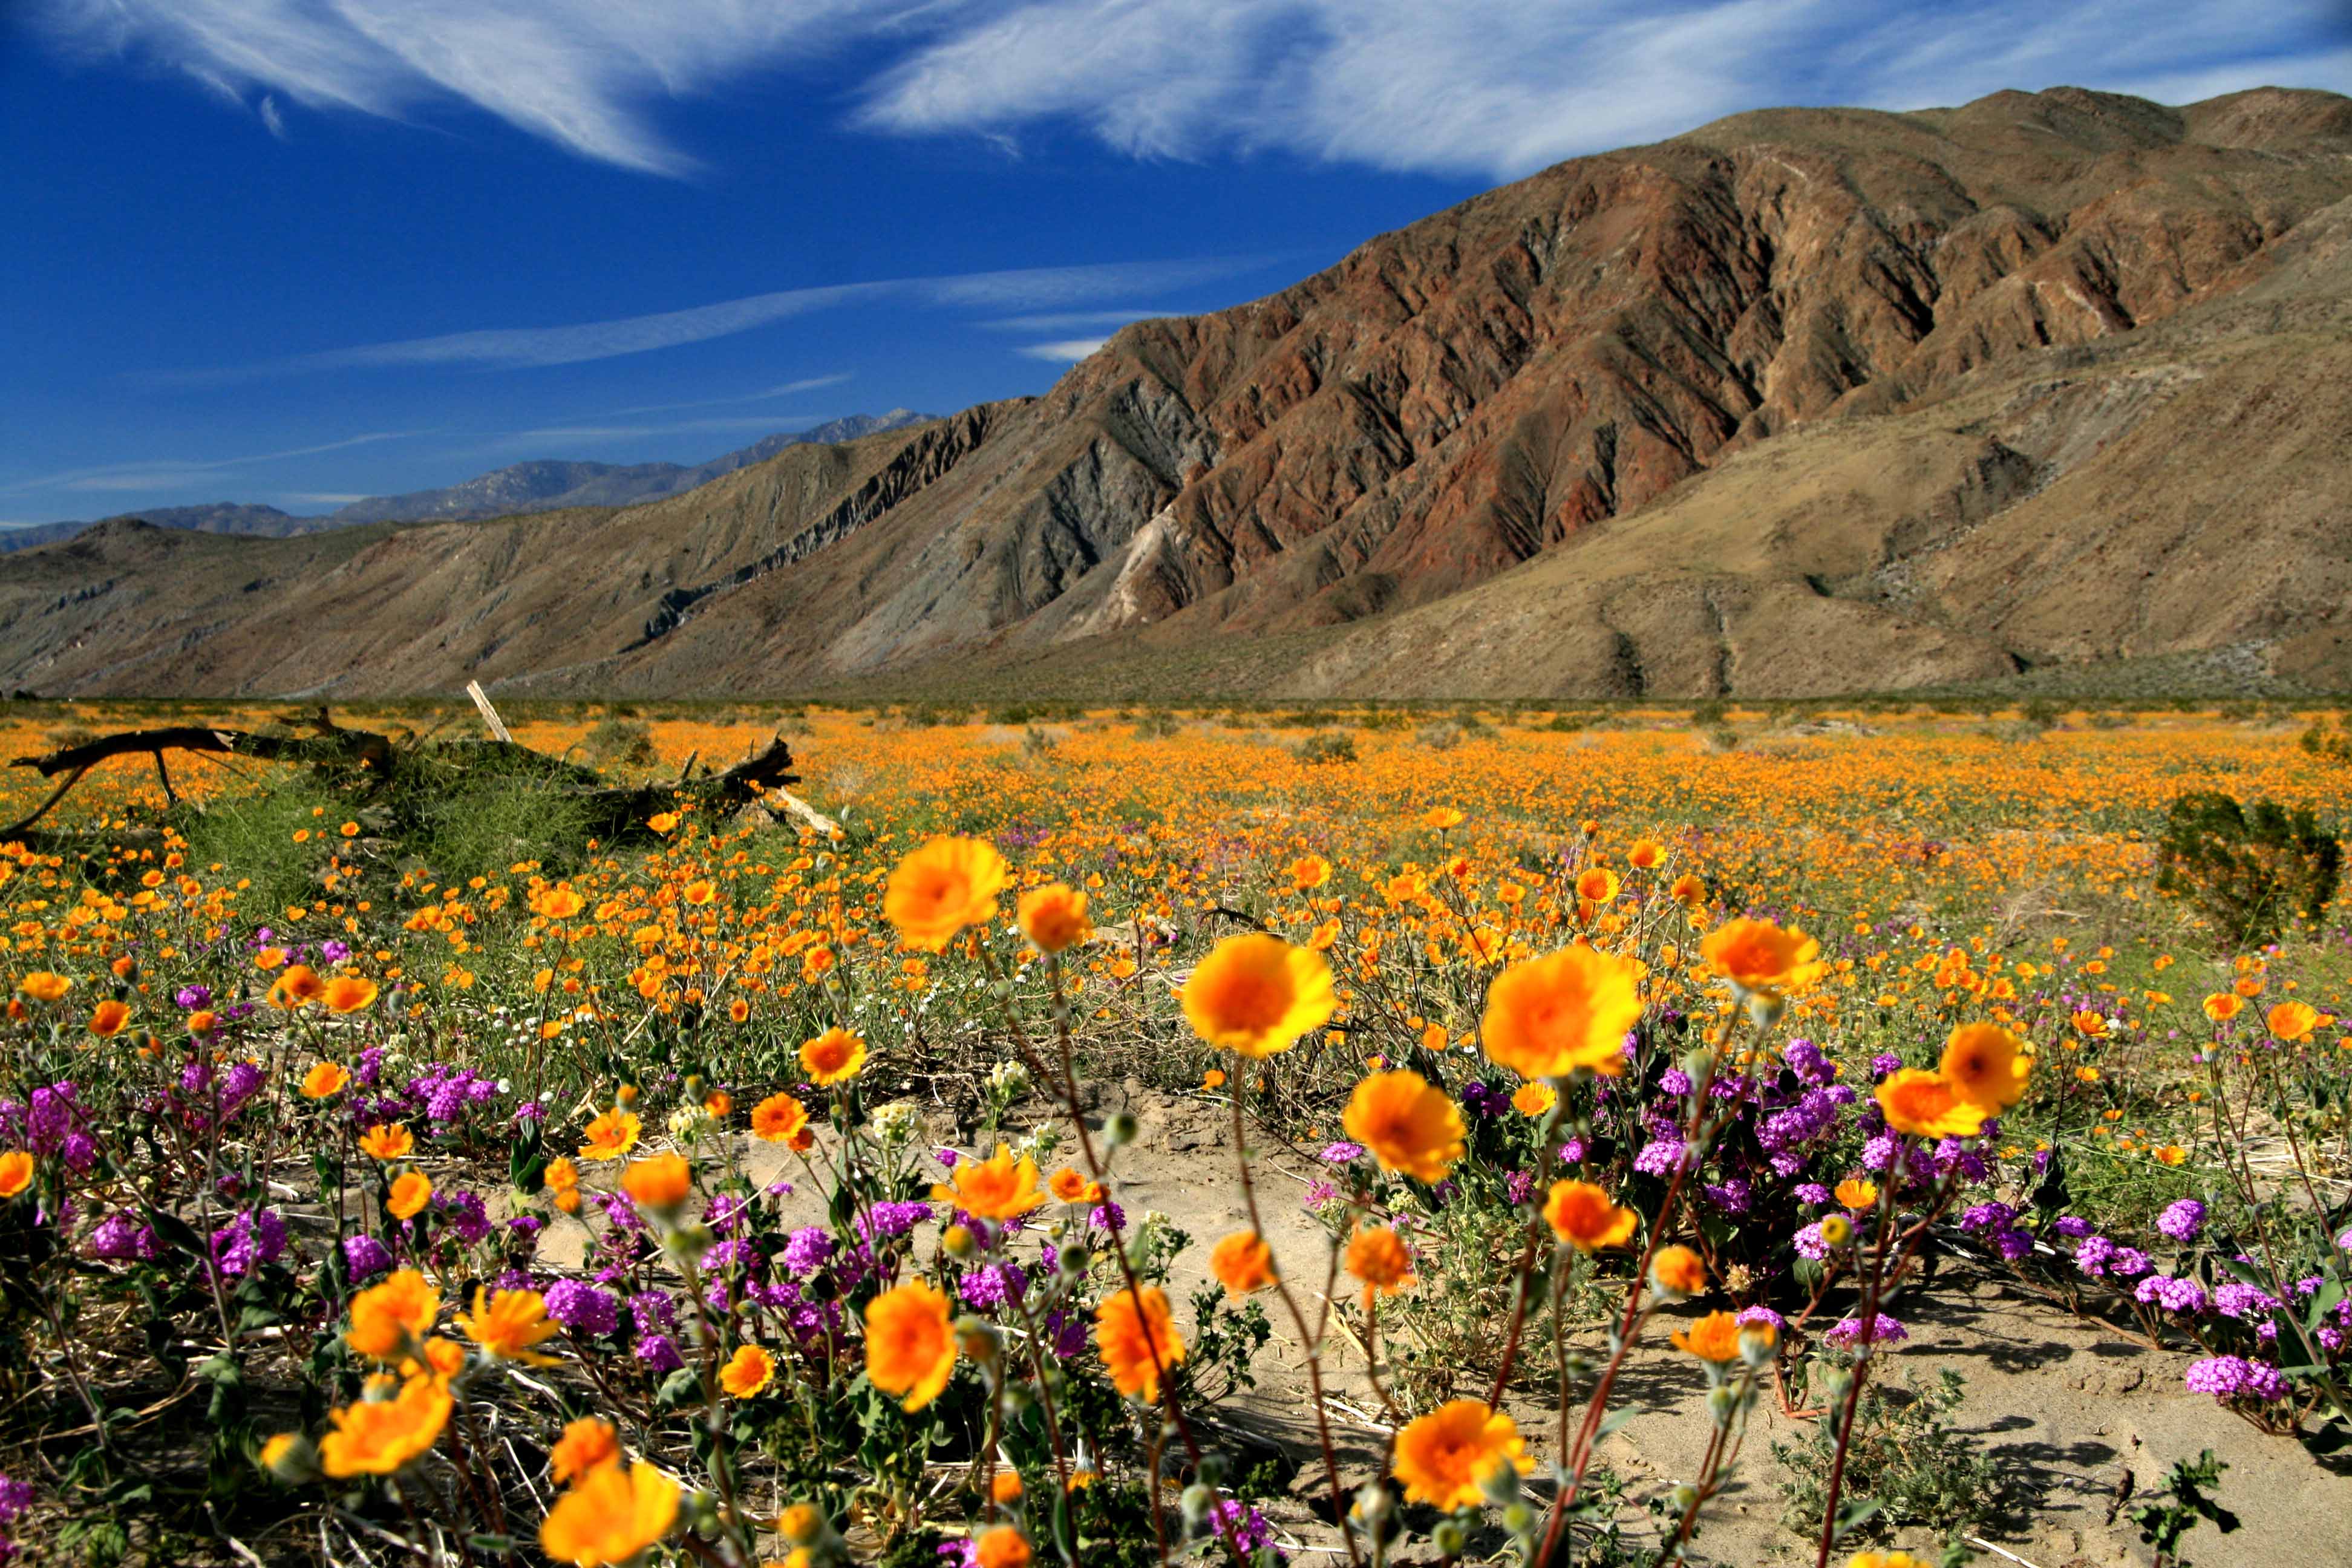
1801, 402
519, 487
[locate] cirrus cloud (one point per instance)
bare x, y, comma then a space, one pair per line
1496, 87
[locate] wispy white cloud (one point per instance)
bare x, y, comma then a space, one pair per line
321, 497
763, 424
272, 116
1504, 87
1067, 351
1065, 321
789, 389
509, 348
1495, 88
167, 473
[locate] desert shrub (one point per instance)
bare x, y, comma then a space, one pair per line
1157, 724
1906, 1465
2175, 1509
1040, 744
2329, 744
1568, 724
1710, 714
628, 741
2247, 869
1326, 748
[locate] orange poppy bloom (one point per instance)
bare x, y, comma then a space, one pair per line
1714, 1337
835, 1057
1987, 1065
1408, 1123
15, 1172
997, 1188
376, 1438
911, 1347
586, 1445
781, 1119
388, 1142
1547, 1016
658, 1182
106, 1020
610, 1517
2293, 1021
1137, 1339
1256, 995
1445, 1457
1243, 1262
410, 1191
350, 993
507, 1324
1678, 1271
389, 1315
1583, 1215
939, 889
1379, 1258
747, 1372
325, 1080
1054, 917
1761, 958
611, 1135
1927, 1105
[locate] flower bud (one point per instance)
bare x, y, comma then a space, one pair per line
1684, 1497
958, 1242
1196, 1502
1519, 1519
1722, 1403
1449, 1537
1501, 1484
1121, 1128
1373, 1504
291, 1457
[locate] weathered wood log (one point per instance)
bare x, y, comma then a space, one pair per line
377, 766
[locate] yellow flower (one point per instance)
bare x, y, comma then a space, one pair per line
996, 1188
911, 1347
508, 1324
1836, 1229
1986, 1066
1441, 817
781, 1119
43, 986
376, 1438
586, 1445
1714, 1337
658, 1182
612, 1515
1054, 917
388, 1142
2223, 1005
1243, 1262
15, 1172
388, 1315
1886, 1560
941, 888
1761, 958
747, 1372
1445, 1457
1857, 1193
350, 993
1002, 1546
2293, 1021
835, 1057
1927, 1105
1534, 1098
1547, 1016
1678, 1271
611, 1135
106, 1020
410, 1191
1596, 886
1584, 1217
1310, 872
325, 1080
300, 984
1408, 1123
1256, 995
1131, 1332
1377, 1258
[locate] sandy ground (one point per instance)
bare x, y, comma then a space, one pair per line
2070, 1407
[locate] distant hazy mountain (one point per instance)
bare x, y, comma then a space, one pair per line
545, 486
219, 516
551, 487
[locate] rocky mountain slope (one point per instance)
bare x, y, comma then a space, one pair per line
555, 486
543, 485
1803, 401
215, 517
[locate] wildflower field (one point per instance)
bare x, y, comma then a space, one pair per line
1586, 1137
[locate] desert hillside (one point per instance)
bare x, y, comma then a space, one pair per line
1802, 401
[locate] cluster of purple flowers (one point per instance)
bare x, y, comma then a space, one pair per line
2228, 1377
1999, 1221
119, 1238
16, 1497
50, 1124
251, 1239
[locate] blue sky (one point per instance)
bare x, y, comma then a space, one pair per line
298, 251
